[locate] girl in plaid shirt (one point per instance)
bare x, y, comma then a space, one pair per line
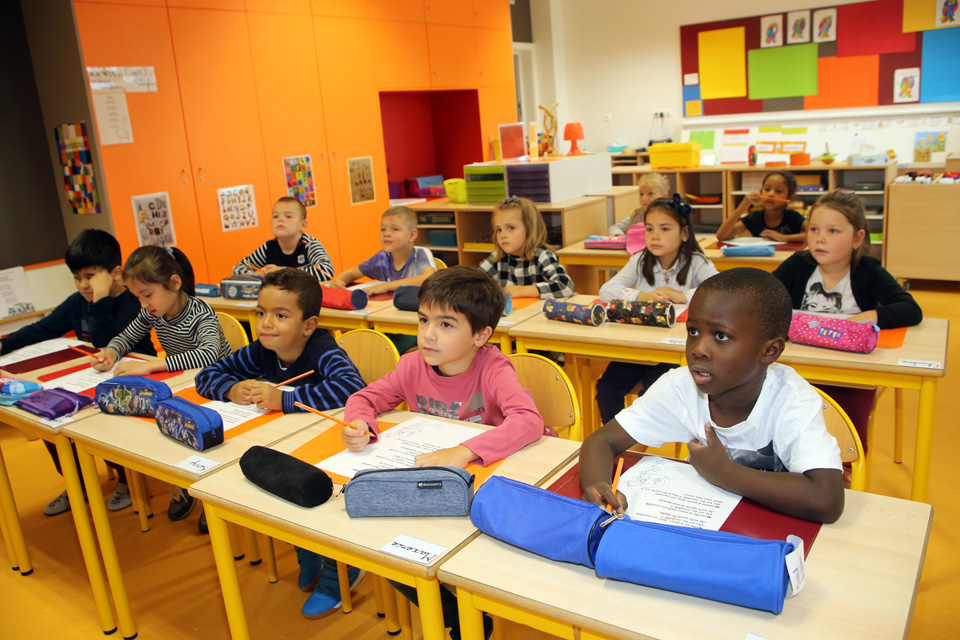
522, 262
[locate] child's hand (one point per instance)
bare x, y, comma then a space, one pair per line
652, 296
753, 198
266, 396
333, 283
355, 437
269, 269
240, 392
138, 368
458, 456
103, 360
670, 295
602, 494
770, 234
101, 282
383, 287
709, 459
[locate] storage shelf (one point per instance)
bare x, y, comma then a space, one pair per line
436, 226
434, 247
869, 193
706, 206
874, 217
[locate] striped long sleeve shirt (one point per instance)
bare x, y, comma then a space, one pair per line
192, 339
309, 256
334, 379
545, 272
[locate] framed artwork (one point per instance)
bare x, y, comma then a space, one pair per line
906, 85
360, 172
771, 31
798, 27
824, 25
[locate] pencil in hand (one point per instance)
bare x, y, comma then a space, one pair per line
338, 421
295, 378
616, 480
86, 354
776, 199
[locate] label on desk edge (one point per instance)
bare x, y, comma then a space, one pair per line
794, 561
197, 464
920, 364
413, 549
360, 312
506, 323
676, 341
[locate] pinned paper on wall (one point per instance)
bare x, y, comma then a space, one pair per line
129, 79
771, 31
927, 143
76, 164
15, 299
105, 78
946, 15
151, 216
113, 118
824, 25
783, 72
906, 85
723, 73
798, 27
690, 79
706, 138
298, 173
238, 208
360, 172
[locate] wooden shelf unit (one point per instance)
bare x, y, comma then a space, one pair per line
922, 227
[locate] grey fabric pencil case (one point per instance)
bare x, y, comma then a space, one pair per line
418, 491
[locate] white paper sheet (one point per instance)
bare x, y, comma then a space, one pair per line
234, 415
397, 447
663, 490
364, 285
15, 299
752, 242
84, 379
38, 349
113, 117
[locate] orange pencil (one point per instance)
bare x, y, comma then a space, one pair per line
294, 378
777, 199
616, 480
86, 353
328, 417
257, 269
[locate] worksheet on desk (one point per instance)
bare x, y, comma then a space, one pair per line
398, 446
86, 378
663, 490
39, 349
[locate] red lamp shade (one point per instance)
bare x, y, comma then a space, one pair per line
573, 132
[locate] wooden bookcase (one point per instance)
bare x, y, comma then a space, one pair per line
922, 228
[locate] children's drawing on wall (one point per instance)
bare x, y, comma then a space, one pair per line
361, 180
771, 31
928, 143
946, 13
824, 25
798, 27
298, 172
906, 85
77, 166
151, 215
238, 208
15, 299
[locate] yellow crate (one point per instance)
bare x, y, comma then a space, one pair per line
665, 155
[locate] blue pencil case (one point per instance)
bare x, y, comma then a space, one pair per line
207, 290
13, 389
191, 424
131, 395
761, 251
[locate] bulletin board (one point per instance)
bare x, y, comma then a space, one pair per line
866, 54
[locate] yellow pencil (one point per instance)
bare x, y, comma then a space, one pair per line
616, 480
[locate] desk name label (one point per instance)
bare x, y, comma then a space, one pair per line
197, 464
921, 364
413, 549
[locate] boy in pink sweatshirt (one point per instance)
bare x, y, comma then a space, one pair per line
454, 374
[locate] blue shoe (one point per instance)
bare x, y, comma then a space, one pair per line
311, 566
325, 598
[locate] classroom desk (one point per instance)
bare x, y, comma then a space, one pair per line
393, 320
331, 319
138, 445
10, 520
356, 541
861, 581
924, 355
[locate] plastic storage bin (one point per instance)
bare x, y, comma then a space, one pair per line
665, 155
456, 190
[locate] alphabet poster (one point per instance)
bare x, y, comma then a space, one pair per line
906, 85
798, 27
77, 167
298, 172
238, 208
151, 216
361, 180
771, 31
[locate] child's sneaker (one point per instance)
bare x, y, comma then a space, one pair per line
311, 566
120, 498
325, 598
59, 504
181, 503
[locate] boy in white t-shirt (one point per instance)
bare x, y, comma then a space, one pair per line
740, 413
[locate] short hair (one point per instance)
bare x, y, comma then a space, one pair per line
156, 265
850, 206
93, 248
533, 224
762, 294
304, 286
788, 178
303, 209
465, 290
407, 215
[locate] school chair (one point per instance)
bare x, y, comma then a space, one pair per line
371, 351
440, 263
841, 427
234, 332
553, 393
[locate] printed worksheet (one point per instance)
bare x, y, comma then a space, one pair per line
397, 447
39, 349
234, 415
663, 490
87, 378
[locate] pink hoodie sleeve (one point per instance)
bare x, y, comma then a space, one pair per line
381, 396
511, 409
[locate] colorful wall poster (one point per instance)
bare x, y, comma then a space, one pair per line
238, 208
824, 25
946, 15
298, 172
771, 31
15, 297
361, 180
927, 143
151, 216
798, 27
906, 85
77, 166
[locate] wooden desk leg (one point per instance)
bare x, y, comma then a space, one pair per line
390, 611
898, 425
266, 548
403, 617
471, 618
921, 459
135, 479
227, 570
108, 550
431, 614
253, 549
13, 532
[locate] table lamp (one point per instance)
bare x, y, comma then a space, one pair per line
573, 132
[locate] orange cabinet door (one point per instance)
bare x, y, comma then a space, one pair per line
453, 56
354, 131
339, 8
498, 105
158, 159
492, 13
495, 57
291, 114
299, 7
400, 55
449, 12
403, 10
232, 5
223, 126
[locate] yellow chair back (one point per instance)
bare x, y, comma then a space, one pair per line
233, 331
552, 391
841, 427
440, 263
371, 351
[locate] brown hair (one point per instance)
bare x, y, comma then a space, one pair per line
532, 222
303, 209
157, 265
655, 180
304, 286
680, 211
407, 215
850, 206
465, 290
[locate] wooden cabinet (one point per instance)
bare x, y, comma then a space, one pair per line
493, 45
922, 231
400, 54
453, 55
491, 13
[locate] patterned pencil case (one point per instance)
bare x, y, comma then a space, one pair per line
414, 492
54, 403
648, 314
207, 290
762, 251
349, 299
131, 395
13, 389
834, 333
189, 423
240, 287
589, 314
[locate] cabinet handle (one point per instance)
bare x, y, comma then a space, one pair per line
183, 175
333, 157
199, 169
323, 157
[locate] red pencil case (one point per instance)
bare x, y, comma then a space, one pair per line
834, 333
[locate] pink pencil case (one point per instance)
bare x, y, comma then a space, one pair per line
834, 333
